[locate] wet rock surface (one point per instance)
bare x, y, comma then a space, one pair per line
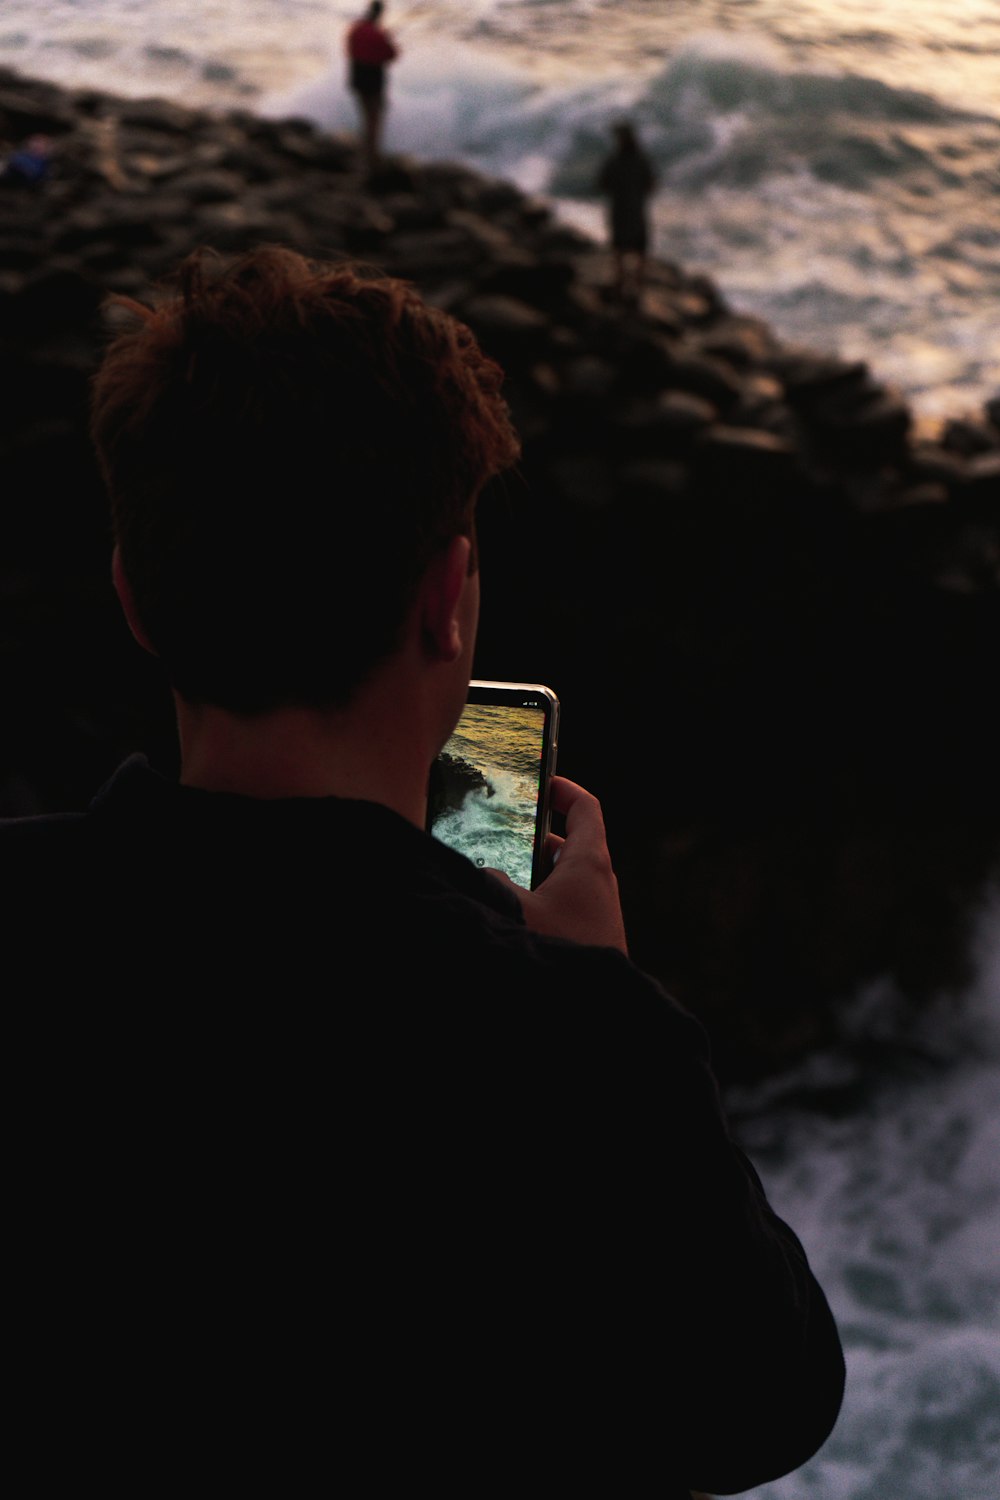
452, 780
771, 607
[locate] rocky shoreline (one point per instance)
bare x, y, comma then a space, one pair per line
771, 607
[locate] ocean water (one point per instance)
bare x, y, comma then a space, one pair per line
884, 1155
834, 164
494, 824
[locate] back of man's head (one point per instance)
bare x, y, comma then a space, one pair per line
286, 445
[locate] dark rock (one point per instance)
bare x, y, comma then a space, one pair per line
157, 114
480, 230
545, 380
395, 174
918, 532
357, 224
660, 311
508, 329
325, 153
534, 212
741, 342
979, 496
219, 186
21, 252
679, 411
493, 196
705, 289
133, 280
39, 110
235, 227
585, 479
761, 404
126, 222
292, 196
589, 378
874, 424
809, 378
747, 455
927, 462
554, 238
410, 211
130, 219
452, 780
87, 102
928, 493
447, 183
663, 426
693, 307
658, 479
58, 295
250, 162
968, 437
98, 256
581, 306
704, 376
428, 255
518, 274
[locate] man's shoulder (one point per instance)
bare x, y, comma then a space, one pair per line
345, 885
60, 832
40, 828
577, 994
40, 843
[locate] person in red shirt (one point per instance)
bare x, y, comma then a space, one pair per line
369, 49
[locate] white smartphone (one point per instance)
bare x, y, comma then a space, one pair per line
489, 788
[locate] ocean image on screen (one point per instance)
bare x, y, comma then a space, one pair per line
484, 787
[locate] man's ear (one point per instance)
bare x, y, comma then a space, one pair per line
124, 591
442, 594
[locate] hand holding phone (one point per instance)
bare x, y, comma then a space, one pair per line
579, 899
489, 788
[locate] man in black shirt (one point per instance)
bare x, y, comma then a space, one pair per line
343, 1156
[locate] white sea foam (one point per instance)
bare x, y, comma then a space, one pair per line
495, 830
898, 1205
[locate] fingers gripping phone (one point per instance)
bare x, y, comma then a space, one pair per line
489, 788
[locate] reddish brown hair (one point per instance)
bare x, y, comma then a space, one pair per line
286, 444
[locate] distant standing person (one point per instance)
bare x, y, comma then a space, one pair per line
627, 178
369, 49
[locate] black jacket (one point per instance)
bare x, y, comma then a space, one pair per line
325, 1164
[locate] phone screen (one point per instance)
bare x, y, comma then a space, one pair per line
488, 789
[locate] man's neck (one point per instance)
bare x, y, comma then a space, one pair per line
302, 752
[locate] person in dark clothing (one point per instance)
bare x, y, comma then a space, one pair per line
370, 49
333, 1152
627, 180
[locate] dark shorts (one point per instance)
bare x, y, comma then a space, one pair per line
628, 227
368, 79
